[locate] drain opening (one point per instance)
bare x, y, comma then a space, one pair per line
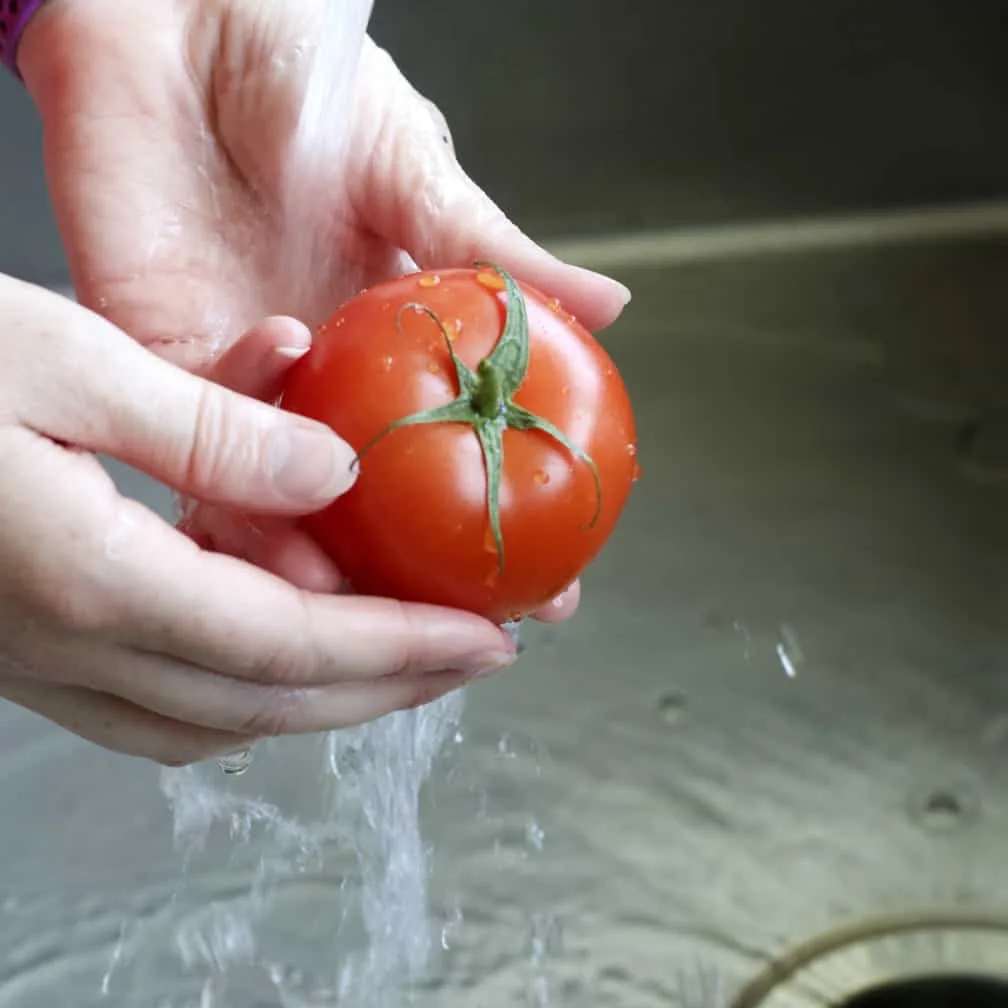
933, 992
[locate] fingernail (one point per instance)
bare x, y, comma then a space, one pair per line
309, 464
621, 289
292, 352
485, 663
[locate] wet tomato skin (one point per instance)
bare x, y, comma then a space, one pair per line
415, 525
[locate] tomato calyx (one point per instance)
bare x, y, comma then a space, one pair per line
485, 401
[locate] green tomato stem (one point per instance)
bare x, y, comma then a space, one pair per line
485, 402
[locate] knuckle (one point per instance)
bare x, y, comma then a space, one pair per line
406, 656
277, 712
220, 444
293, 660
441, 125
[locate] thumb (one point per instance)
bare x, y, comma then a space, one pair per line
97, 389
414, 194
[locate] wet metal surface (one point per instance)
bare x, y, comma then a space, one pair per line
784, 707
589, 115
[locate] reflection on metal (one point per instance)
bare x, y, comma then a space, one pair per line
651, 249
834, 967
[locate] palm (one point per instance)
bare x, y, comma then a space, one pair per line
176, 222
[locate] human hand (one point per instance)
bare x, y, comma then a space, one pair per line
189, 209
118, 627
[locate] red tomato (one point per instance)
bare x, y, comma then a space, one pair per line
474, 506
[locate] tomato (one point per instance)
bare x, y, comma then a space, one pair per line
495, 437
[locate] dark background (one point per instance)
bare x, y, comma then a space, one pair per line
589, 115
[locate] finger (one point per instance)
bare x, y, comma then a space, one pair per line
275, 545
116, 724
415, 194
256, 364
215, 611
201, 697
108, 394
104, 565
562, 607
218, 612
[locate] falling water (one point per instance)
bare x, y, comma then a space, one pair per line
373, 775
324, 61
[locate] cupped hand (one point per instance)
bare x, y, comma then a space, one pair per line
116, 625
192, 202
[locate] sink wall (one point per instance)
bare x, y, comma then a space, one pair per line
585, 115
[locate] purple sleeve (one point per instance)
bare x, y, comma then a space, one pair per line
14, 18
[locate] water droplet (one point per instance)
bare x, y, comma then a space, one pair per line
429, 280
534, 834
672, 707
492, 579
387, 362
540, 477
434, 367
637, 473
789, 652
490, 280
554, 305
489, 543
237, 763
340, 321
631, 449
565, 390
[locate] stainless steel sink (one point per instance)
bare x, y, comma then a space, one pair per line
763, 766
763, 763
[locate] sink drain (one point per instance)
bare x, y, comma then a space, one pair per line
934, 960
934, 992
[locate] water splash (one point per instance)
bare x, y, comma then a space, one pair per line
373, 779
378, 771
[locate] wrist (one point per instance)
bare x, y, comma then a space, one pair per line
17, 18
38, 47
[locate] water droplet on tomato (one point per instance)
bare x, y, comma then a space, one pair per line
491, 580
565, 390
340, 321
636, 473
434, 367
429, 280
631, 449
554, 305
489, 543
387, 362
490, 280
540, 477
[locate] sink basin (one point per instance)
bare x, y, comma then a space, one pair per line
783, 710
